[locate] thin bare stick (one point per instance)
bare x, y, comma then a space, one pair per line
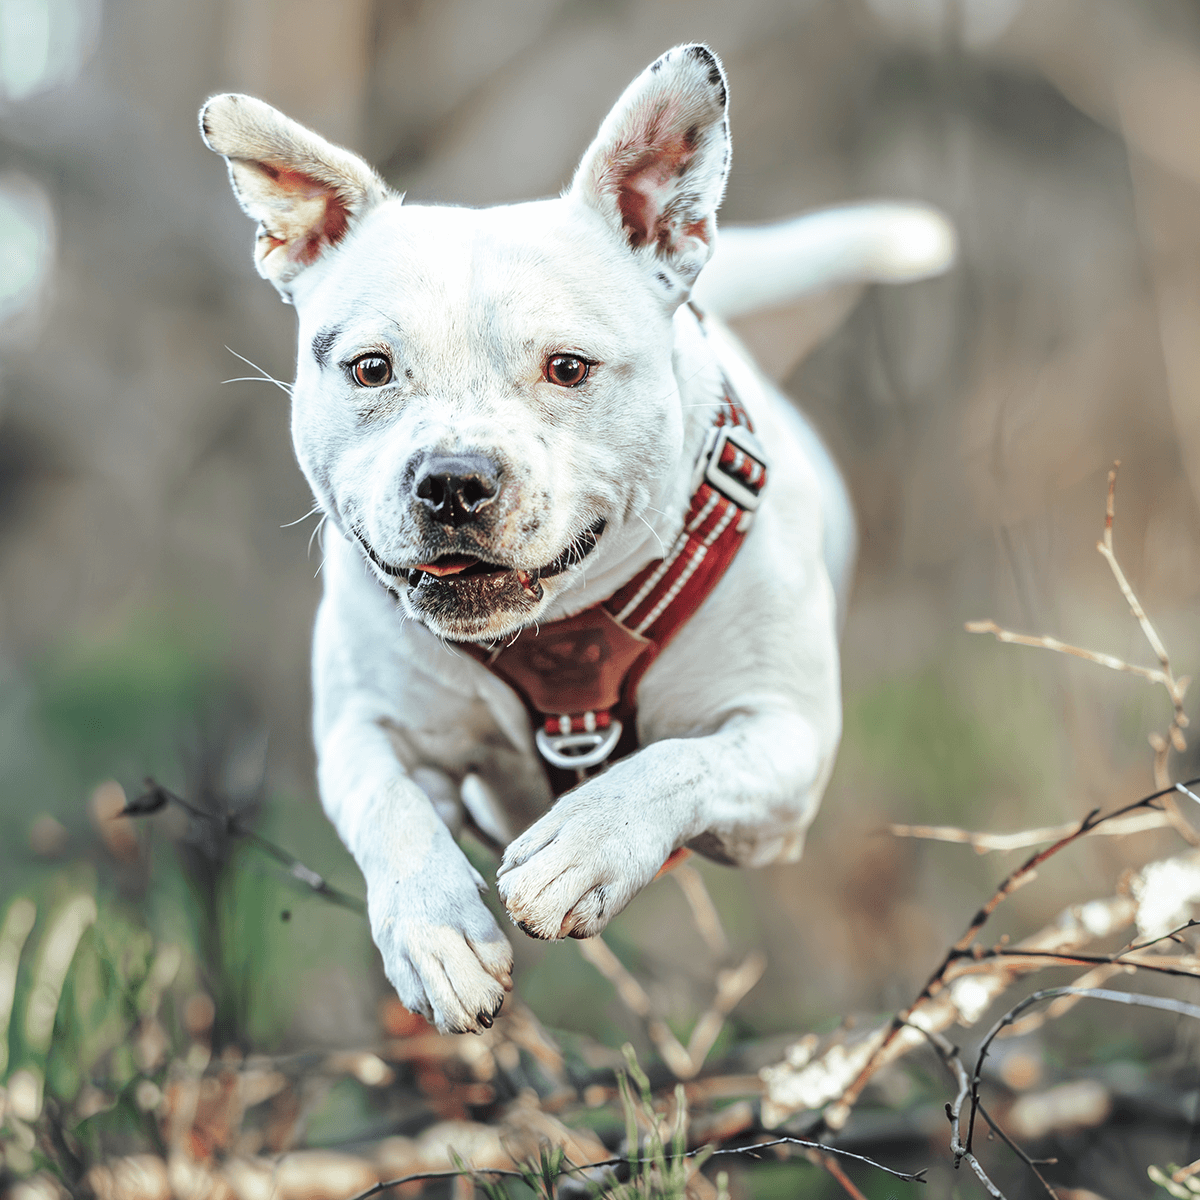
754, 1147
633, 996
386, 1185
948, 1053
1162, 1003
1171, 935
1176, 688
1031, 1163
157, 797
1105, 546
1173, 739
704, 912
1157, 964
960, 1151
986, 843
1046, 642
731, 987
1018, 877
751, 1151
1060, 1007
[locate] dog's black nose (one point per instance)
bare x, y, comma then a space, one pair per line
456, 487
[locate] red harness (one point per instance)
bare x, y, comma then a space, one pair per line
579, 676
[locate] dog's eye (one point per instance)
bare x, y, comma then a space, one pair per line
372, 370
566, 370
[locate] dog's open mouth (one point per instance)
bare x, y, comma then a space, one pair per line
472, 585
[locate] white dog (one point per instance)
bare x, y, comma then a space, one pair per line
509, 416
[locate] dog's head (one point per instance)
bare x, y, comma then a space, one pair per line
485, 400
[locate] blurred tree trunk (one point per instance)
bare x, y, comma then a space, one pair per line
307, 57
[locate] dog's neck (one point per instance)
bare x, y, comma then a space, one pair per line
618, 558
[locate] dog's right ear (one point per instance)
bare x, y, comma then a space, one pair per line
304, 192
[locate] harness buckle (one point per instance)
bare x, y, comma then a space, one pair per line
578, 751
724, 478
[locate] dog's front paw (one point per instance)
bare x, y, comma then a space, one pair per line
442, 949
571, 872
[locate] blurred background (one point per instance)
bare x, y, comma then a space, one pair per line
158, 576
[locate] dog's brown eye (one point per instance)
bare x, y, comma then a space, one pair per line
372, 370
566, 370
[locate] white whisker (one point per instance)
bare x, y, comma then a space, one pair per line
655, 532
313, 535
264, 376
312, 512
257, 379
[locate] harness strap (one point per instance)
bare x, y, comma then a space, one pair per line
579, 676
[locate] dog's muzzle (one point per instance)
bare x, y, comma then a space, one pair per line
455, 584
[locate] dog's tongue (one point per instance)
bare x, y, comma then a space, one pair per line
451, 564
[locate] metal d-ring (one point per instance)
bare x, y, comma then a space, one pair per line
578, 751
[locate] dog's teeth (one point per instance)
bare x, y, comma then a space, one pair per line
530, 583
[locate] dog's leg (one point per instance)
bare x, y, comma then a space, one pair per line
441, 947
751, 786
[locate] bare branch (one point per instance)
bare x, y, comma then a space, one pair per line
882, 1049
949, 1055
1032, 1164
1105, 546
1060, 1007
731, 987
1158, 965
567, 1167
595, 950
704, 912
1162, 1003
385, 1185
1046, 642
986, 843
685, 1063
157, 797
1161, 743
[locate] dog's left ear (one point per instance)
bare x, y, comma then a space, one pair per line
656, 171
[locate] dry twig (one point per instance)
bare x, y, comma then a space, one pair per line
732, 985
569, 1168
1164, 675
633, 996
986, 843
704, 911
836, 1081
949, 1055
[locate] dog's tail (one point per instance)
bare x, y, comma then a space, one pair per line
767, 266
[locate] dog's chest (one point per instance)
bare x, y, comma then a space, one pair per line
461, 737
